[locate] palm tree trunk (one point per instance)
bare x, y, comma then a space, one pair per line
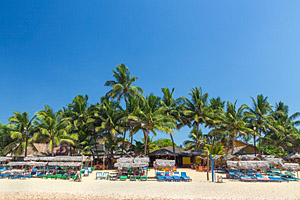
259, 142
146, 142
173, 144
232, 145
123, 143
131, 141
52, 148
254, 142
197, 135
26, 143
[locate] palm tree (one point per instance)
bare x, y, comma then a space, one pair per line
22, 130
112, 114
122, 85
151, 117
282, 130
261, 110
52, 128
173, 108
214, 149
5, 138
217, 107
195, 139
234, 122
76, 116
197, 109
133, 105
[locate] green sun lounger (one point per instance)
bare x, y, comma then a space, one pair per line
123, 178
132, 178
143, 178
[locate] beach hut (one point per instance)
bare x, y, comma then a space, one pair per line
182, 157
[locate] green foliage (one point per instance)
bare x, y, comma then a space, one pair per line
5, 138
82, 125
214, 149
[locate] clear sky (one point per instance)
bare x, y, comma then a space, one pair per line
51, 51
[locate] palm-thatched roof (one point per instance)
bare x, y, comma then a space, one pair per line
65, 164
248, 164
130, 162
160, 163
131, 165
59, 158
291, 166
274, 161
233, 164
168, 151
37, 164
249, 157
253, 164
4, 159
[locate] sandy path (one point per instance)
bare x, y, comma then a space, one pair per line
199, 188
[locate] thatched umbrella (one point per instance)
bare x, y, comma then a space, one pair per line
159, 163
65, 164
233, 164
13, 164
253, 165
231, 157
291, 166
141, 160
249, 157
5, 159
274, 161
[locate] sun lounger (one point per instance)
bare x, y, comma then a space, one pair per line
185, 177
105, 175
132, 178
143, 178
123, 178
263, 179
86, 172
99, 175
169, 178
161, 178
247, 179
177, 178
275, 179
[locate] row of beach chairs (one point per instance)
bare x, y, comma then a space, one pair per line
114, 177
165, 176
258, 177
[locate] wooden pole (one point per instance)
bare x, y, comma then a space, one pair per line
207, 164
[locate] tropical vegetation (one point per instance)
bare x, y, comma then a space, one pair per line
111, 125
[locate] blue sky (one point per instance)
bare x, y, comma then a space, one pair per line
51, 51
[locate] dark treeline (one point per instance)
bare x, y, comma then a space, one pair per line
82, 125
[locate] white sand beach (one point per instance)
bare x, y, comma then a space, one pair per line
199, 188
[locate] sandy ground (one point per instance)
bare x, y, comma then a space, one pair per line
199, 188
